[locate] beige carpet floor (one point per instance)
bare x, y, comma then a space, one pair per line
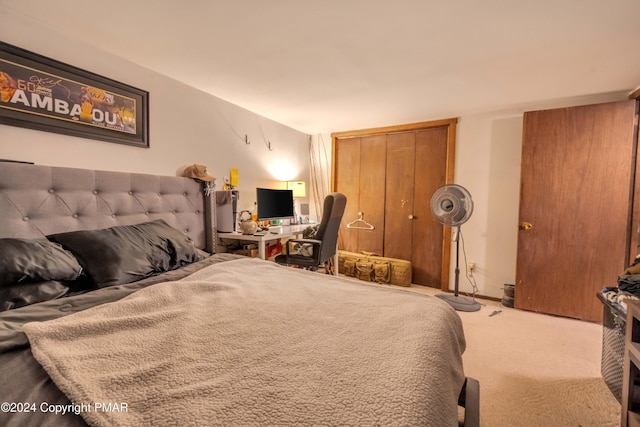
535, 369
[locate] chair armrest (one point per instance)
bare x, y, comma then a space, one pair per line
469, 399
311, 241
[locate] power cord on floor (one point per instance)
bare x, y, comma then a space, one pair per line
470, 278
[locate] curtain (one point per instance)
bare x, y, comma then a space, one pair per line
320, 168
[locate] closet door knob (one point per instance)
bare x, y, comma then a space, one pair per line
411, 217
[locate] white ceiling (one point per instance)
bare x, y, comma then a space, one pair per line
333, 65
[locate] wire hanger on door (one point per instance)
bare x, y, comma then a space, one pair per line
360, 223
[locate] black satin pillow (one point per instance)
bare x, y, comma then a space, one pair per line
24, 260
128, 253
19, 295
26, 293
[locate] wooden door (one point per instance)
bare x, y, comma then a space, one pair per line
398, 230
416, 168
577, 168
347, 168
431, 241
361, 171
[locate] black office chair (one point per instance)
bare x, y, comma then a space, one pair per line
318, 251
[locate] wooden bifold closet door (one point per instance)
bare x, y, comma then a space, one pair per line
389, 175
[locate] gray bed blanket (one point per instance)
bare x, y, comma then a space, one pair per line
11, 321
251, 343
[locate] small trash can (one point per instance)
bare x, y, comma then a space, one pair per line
509, 293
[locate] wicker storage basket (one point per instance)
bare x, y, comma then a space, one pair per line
613, 330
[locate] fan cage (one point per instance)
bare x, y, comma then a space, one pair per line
452, 205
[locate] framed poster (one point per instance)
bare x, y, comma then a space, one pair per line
41, 93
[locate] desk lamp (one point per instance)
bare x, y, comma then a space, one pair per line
299, 191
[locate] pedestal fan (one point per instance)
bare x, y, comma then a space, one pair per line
452, 206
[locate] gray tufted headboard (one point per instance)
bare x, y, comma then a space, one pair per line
36, 201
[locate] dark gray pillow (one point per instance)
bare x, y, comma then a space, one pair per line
19, 295
24, 260
128, 253
26, 293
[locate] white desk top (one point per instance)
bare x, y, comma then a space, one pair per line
274, 232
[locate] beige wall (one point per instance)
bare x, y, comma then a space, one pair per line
186, 125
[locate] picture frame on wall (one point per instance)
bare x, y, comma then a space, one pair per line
40, 93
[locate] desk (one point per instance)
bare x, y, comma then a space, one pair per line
274, 233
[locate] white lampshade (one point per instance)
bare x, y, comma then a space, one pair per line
298, 187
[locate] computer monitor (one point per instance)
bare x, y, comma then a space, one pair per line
274, 204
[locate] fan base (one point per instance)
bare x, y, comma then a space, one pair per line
460, 303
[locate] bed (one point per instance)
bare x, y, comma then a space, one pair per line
116, 311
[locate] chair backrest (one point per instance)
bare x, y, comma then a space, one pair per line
332, 212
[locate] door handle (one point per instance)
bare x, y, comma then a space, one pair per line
526, 226
411, 217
